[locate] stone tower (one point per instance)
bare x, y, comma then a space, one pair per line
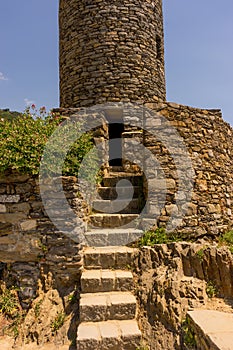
111, 50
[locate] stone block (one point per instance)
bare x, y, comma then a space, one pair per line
12, 218
93, 307
131, 335
28, 225
215, 327
91, 281
124, 280
2, 208
108, 280
91, 258
88, 336
108, 257
105, 306
110, 335
123, 306
9, 198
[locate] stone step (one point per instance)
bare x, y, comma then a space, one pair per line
111, 237
120, 192
112, 220
97, 307
113, 178
116, 168
93, 281
109, 335
123, 206
212, 329
116, 257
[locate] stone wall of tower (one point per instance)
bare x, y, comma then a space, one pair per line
208, 140
111, 50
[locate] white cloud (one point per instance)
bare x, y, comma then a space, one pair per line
28, 102
2, 76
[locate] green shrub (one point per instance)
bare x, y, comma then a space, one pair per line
158, 236
57, 150
22, 143
9, 303
23, 140
11, 309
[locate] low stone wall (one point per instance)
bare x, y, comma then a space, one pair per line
30, 244
174, 278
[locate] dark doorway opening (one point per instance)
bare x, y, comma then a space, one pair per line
115, 147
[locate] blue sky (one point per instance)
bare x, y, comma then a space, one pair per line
198, 46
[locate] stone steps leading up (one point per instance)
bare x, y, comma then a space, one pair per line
93, 281
116, 257
96, 307
107, 305
119, 201
111, 237
112, 220
109, 335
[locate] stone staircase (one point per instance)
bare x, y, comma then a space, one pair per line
118, 204
108, 307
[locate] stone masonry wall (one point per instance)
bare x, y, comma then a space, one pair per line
110, 51
208, 140
208, 205
30, 244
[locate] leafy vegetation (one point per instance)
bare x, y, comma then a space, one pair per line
227, 239
72, 298
37, 308
200, 253
158, 236
58, 321
188, 334
9, 303
211, 289
24, 139
11, 310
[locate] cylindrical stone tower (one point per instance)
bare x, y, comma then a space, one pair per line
111, 50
